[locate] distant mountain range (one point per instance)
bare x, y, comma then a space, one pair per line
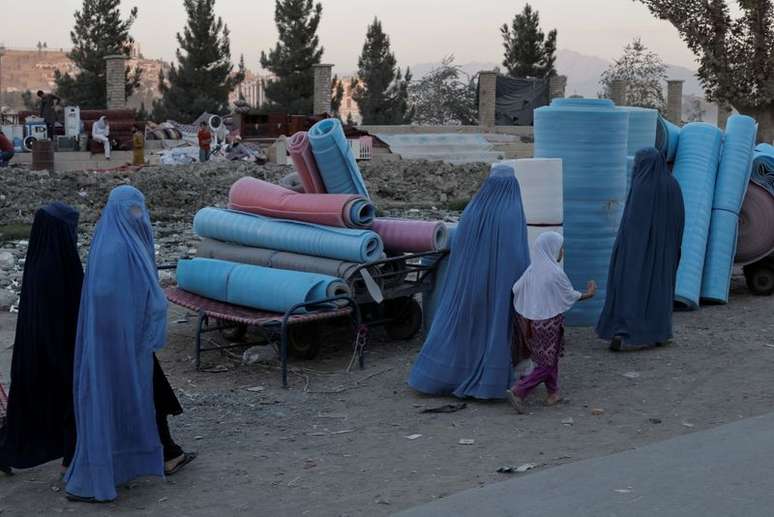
582, 71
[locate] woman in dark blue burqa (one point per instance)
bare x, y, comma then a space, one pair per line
468, 349
39, 425
643, 266
122, 321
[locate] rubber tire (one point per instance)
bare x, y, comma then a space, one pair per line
760, 280
405, 318
304, 341
234, 334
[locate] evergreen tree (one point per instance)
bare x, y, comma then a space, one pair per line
528, 52
381, 91
291, 60
337, 89
99, 31
203, 78
142, 113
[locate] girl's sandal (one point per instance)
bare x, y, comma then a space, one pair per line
516, 402
552, 401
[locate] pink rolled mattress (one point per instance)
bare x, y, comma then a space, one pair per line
260, 197
756, 235
302, 157
407, 235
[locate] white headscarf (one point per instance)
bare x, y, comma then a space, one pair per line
544, 291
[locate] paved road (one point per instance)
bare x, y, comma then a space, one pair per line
726, 471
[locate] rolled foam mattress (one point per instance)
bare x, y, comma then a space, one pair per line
696, 170
590, 137
730, 188
667, 138
540, 180
413, 236
213, 249
432, 297
643, 123
263, 198
347, 244
262, 288
756, 233
335, 161
303, 159
763, 167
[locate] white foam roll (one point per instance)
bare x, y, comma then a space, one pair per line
534, 231
540, 180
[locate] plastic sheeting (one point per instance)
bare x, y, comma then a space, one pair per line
410, 235
448, 147
213, 249
517, 98
296, 237
302, 157
667, 138
731, 185
696, 169
756, 238
590, 136
267, 289
261, 197
540, 180
763, 167
335, 161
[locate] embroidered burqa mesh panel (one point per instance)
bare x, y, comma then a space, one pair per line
468, 349
643, 267
122, 321
40, 425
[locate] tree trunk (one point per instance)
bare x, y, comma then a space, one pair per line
765, 117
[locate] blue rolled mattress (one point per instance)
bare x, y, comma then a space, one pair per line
696, 169
763, 167
351, 245
591, 137
262, 288
667, 138
730, 188
431, 298
643, 123
335, 161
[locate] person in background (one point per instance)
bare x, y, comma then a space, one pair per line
205, 140
541, 297
48, 103
40, 424
643, 266
100, 132
6, 150
237, 151
121, 397
138, 146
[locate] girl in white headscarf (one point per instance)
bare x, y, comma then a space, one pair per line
100, 132
541, 297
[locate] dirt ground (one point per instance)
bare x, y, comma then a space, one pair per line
340, 447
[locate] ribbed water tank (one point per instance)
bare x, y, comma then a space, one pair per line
591, 137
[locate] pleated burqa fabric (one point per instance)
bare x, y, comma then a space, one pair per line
468, 349
40, 427
643, 266
122, 321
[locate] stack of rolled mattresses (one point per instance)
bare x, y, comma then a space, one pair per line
756, 233
643, 126
667, 138
591, 138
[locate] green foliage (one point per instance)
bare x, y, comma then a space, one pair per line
444, 97
528, 51
203, 78
99, 31
381, 91
644, 72
291, 60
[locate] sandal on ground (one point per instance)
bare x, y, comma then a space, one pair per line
616, 344
188, 457
549, 402
516, 402
79, 498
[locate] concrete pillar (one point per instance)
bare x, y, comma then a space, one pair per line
618, 91
323, 74
724, 111
675, 102
2, 91
116, 81
557, 85
487, 90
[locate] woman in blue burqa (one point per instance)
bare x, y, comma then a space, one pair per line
467, 352
643, 266
122, 322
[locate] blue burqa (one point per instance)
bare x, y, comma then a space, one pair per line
122, 321
468, 349
643, 266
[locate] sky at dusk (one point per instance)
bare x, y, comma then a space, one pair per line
421, 31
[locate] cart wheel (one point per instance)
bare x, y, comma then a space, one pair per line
405, 318
760, 279
304, 341
235, 333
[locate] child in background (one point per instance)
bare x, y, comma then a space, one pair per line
541, 297
205, 139
138, 146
